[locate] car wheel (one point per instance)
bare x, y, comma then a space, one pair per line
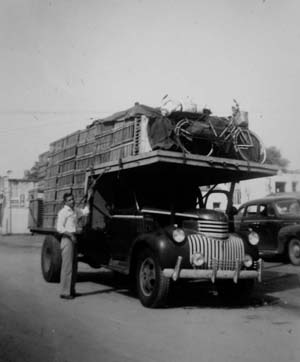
152, 285
51, 259
294, 251
236, 293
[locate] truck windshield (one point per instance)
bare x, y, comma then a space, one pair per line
178, 198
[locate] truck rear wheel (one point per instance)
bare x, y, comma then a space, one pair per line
294, 251
51, 259
152, 285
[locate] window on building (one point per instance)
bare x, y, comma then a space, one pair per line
294, 186
22, 200
237, 197
279, 187
13, 190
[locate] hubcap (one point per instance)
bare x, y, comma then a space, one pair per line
147, 276
296, 250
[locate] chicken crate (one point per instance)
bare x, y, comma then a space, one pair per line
115, 154
65, 180
86, 149
56, 146
87, 135
52, 171
79, 178
52, 207
49, 195
69, 152
56, 157
50, 183
66, 166
71, 139
84, 163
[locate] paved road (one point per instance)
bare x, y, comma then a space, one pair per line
107, 323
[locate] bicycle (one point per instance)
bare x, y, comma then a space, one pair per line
234, 141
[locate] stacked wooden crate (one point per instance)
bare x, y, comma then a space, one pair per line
70, 157
119, 142
59, 176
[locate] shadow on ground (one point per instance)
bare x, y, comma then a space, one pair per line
196, 294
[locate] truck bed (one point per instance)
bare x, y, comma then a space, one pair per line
208, 170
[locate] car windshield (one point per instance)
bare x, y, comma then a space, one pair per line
288, 207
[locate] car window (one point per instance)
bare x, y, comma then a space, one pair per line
240, 212
263, 210
251, 210
288, 207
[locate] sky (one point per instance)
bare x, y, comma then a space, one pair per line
64, 63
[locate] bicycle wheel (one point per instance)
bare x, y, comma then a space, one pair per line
189, 143
249, 146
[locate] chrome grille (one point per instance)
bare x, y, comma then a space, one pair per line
213, 229
224, 252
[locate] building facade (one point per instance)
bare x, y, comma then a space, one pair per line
14, 205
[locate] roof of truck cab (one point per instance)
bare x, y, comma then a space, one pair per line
201, 169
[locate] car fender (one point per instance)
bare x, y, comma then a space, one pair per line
161, 244
285, 234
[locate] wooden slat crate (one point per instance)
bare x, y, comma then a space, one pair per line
52, 207
56, 146
71, 140
87, 135
50, 183
66, 166
115, 154
49, 195
56, 157
86, 149
52, 171
65, 180
84, 163
69, 152
79, 178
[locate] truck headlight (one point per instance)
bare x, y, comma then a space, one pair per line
178, 235
248, 261
253, 238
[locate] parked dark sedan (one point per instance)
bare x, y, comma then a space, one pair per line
276, 220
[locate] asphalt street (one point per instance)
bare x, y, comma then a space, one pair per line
107, 322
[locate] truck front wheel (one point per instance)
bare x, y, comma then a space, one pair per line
152, 285
51, 259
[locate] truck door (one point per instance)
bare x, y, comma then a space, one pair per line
125, 222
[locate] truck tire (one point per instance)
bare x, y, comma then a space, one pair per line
51, 259
152, 285
236, 293
294, 251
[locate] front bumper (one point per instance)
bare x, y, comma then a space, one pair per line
213, 274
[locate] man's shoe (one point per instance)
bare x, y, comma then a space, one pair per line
68, 297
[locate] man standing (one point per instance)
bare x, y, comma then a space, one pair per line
67, 225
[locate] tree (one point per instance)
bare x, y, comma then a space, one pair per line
274, 157
32, 174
